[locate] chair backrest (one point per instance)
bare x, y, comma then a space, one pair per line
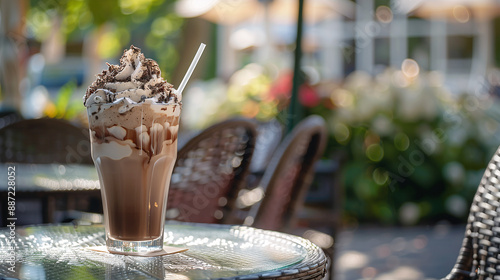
44, 141
209, 172
8, 117
289, 175
478, 257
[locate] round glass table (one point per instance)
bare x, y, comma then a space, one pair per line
214, 252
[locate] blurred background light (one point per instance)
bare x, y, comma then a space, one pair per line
410, 68
383, 14
461, 13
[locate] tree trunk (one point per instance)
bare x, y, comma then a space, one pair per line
13, 52
194, 32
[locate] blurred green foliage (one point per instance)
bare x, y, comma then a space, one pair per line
121, 23
64, 107
415, 153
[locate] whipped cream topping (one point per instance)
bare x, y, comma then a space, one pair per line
137, 79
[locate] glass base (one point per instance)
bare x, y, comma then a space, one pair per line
132, 247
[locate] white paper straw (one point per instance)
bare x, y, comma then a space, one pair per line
191, 68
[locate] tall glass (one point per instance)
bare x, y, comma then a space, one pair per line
134, 148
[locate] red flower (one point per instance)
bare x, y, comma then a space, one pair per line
308, 96
282, 88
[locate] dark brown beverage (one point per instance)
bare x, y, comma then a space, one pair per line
134, 192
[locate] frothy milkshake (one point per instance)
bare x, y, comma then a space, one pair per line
134, 120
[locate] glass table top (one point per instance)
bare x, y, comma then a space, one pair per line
215, 251
52, 177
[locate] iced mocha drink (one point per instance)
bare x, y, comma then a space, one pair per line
134, 119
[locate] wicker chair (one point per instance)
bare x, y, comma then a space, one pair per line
47, 141
479, 256
209, 171
8, 117
288, 176
44, 141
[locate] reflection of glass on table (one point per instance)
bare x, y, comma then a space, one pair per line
214, 251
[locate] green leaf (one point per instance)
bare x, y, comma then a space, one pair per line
64, 97
74, 108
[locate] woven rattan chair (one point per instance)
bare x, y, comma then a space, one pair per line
44, 141
479, 256
8, 117
288, 176
209, 171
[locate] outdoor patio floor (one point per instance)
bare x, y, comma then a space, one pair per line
406, 253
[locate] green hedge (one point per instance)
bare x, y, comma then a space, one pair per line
415, 153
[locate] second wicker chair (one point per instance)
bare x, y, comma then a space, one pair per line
288, 176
